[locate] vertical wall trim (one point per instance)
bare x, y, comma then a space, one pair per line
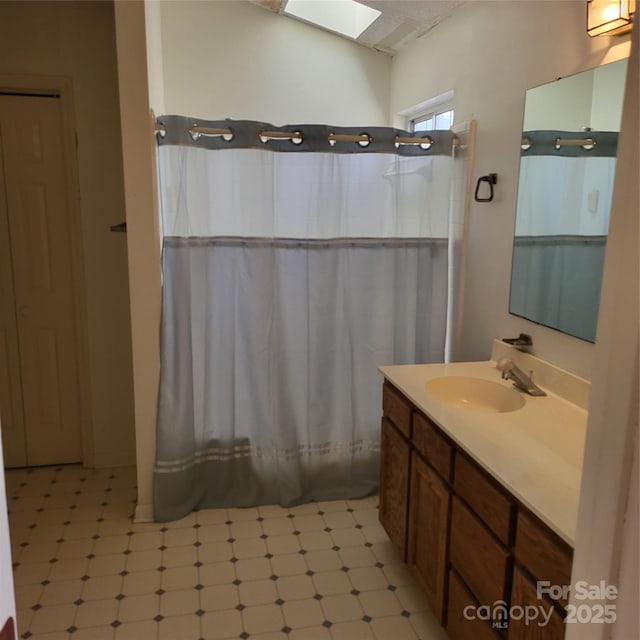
143, 246
469, 129
613, 411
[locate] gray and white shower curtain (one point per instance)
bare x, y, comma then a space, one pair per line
291, 271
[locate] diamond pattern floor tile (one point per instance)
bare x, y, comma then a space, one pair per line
83, 570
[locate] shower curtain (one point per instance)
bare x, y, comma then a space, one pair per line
292, 268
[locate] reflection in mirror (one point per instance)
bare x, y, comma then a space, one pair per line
567, 167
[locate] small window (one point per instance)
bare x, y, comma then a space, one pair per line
437, 119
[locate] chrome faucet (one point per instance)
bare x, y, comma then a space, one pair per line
519, 378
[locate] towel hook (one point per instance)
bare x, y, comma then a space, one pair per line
491, 179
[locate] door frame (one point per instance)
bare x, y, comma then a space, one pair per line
62, 87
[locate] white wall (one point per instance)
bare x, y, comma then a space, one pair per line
77, 40
490, 53
155, 71
236, 60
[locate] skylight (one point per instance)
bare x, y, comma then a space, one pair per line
346, 17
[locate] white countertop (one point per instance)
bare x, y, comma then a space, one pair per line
535, 452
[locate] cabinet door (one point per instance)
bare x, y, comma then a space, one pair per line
464, 619
546, 625
394, 485
428, 530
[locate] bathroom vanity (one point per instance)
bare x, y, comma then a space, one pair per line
481, 502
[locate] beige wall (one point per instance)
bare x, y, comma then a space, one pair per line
236, 60
490, 53
77, 40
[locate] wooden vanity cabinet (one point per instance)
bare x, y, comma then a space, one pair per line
466, 539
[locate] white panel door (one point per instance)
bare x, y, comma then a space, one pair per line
36, 215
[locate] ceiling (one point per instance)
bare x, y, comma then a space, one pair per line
401, 22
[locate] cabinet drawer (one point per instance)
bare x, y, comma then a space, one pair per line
485, 498
432, 445
397, 408
461, 602
542, 552
524, 594
477, 556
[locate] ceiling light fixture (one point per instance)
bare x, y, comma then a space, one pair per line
346, 17
609, 17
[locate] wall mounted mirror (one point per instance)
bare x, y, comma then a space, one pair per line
567, 166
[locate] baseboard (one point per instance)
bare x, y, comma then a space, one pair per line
121, 459
144, 513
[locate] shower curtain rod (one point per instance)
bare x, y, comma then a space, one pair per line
297, 135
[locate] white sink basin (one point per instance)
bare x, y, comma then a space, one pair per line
475, 393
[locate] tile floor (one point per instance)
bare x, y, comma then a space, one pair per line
84, 570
